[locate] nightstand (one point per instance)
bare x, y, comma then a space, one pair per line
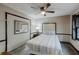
35, 35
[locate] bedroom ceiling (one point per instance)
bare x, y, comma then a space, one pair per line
60, 9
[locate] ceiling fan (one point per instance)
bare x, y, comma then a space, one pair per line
44, 8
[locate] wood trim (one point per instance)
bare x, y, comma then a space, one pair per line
50, 23
63, 34
2, 40
6, 53
72, 26
33, 32
17, 15
64, 42
30, 29
5, 32
7, 13
70, 44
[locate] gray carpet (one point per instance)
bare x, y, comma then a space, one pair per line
24, 50
68, 49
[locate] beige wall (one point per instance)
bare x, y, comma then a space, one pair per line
13, 40
63, 25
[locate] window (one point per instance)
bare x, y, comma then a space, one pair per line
75, 27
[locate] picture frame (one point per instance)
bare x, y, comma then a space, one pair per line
20, 27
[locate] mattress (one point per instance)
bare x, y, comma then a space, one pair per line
45, 45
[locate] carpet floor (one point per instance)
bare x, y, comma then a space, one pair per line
24, 50
68, 49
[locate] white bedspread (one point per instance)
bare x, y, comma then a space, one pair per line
45, 45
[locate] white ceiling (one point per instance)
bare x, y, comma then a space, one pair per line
59, 8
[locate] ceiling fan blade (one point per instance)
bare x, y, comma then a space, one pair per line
33, 7
48, 4
44, 8
50, 11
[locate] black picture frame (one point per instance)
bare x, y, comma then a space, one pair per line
18, 27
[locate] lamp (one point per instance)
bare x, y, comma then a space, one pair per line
37, 28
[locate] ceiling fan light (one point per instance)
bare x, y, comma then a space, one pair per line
43, 12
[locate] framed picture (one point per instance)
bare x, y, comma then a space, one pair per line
20, 27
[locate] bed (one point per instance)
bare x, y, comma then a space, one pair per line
45, 45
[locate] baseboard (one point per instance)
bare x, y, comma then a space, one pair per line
64, 42
6, 53
32, 54
70, 44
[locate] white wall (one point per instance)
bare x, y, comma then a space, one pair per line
13, 40
63, 25
75, 43
2, 31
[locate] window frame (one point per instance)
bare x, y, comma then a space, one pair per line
75, 28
